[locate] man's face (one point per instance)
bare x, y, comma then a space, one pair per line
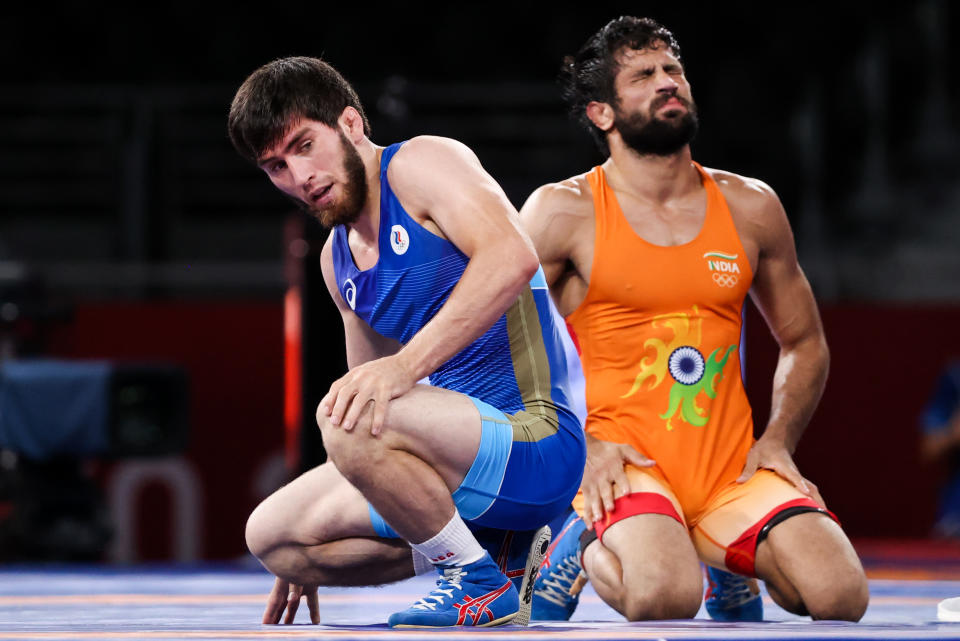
655, 113
319, 168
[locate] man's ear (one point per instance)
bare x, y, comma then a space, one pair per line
601, 114
351, 122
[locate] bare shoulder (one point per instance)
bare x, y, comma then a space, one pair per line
558, 217
432, 174
755, 206
749, 195
423, 153
564, 202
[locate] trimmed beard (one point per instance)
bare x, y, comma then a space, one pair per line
648, 134
355, 190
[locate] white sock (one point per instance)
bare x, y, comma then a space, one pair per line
453, 545
421, 564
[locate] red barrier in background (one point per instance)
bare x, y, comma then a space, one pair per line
233, 355
862, 447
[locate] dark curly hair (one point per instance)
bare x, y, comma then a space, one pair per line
279, 93
589, 75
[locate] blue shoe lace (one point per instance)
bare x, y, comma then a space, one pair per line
732, 597
557, 587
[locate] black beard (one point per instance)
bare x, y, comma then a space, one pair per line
354, 192
650, 135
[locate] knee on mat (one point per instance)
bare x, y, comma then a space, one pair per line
661, 602
787, 598
846, 600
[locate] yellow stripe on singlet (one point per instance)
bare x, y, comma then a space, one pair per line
538, 419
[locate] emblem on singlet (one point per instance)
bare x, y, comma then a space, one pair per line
399, 240
350, 293
724, 271
686, 365
681, 358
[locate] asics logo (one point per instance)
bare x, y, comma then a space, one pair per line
442, 557
476, 607
350, 293
531, 579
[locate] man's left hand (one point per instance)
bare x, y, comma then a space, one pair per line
376, 382
773, 455
286, 596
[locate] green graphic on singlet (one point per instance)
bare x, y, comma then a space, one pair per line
683, 397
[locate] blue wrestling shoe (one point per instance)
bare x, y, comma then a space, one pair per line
732, 597
476, 594
557, 589
518, 555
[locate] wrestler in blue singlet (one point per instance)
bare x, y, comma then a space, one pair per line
532, 451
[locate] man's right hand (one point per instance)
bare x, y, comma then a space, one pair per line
286, 596
604, 479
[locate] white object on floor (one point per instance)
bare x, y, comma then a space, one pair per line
949, 609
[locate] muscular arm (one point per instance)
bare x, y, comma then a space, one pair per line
559, 219
441, 182
783, 295
442, 185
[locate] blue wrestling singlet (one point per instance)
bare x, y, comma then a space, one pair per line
532, 450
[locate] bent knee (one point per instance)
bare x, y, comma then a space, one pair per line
847, 600
327, 429
786, 596
660, 607
274, 546
261, 533
664, 600
348, 449
274, 523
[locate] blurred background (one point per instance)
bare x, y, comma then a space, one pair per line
164, 334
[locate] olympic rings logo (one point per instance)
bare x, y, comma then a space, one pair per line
724, 280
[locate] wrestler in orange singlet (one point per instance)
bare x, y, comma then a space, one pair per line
650, 257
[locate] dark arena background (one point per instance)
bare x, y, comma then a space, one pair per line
165, 334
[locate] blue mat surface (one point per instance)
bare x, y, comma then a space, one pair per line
218, 602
